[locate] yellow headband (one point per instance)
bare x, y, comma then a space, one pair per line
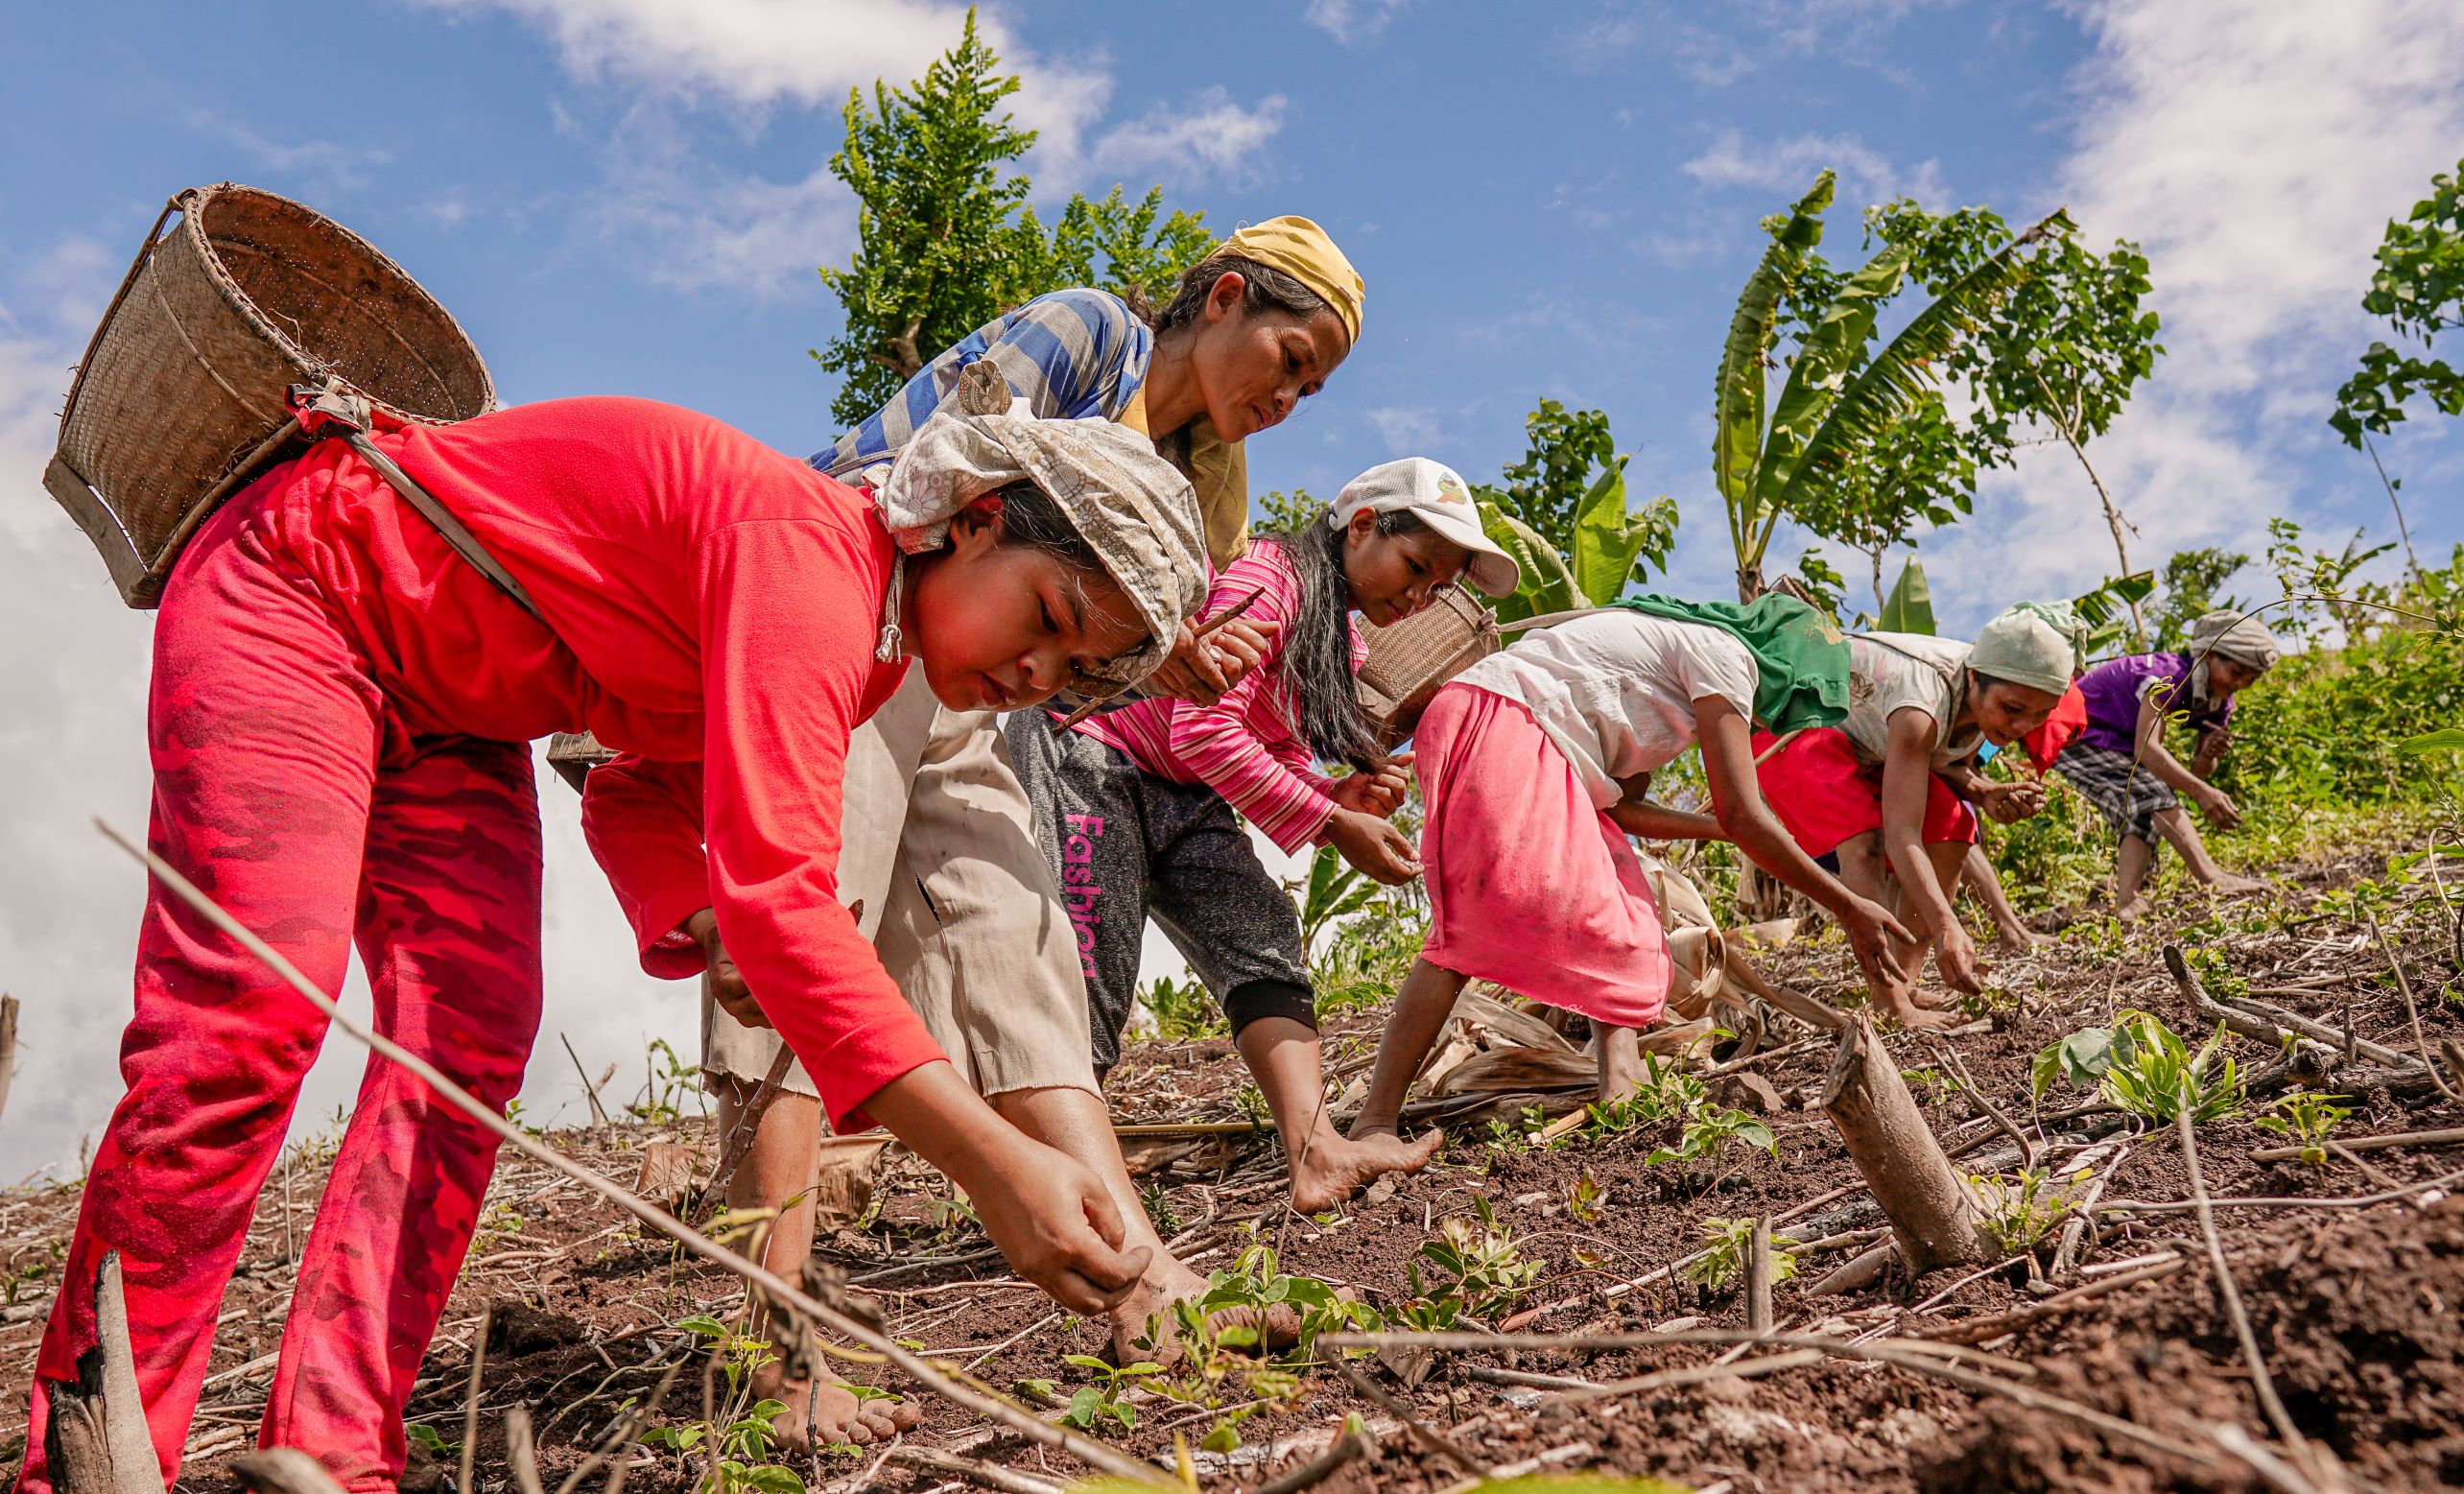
1302, 251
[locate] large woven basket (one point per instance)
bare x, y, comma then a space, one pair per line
1408, 661
181, 397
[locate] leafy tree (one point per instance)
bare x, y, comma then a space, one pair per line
2187, 590
2419, 289
2060, 349
945, 241
1820, 446
1561, 511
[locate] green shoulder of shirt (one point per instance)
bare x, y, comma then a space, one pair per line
1800, 657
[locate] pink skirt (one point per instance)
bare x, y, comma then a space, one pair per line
1528, 885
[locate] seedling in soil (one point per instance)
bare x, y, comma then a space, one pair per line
667, 1084
1666, 1091
740, 1428
1182, 1010
1476, 1267
2152, 1074
1587, 1198
1721, 1265
1158, 1202
2308, 1118
1092, 1403
1938, 1086
433, 1441
2018, 1216
1706, 1133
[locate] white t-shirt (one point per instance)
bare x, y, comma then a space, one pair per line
1615, 691
1884, 679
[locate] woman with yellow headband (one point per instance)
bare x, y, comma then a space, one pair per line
938, 844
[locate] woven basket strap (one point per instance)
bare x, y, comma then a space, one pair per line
344, 414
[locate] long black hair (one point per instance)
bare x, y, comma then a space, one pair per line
1263, 288
1318, 676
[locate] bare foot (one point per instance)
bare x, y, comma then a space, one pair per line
829, 1410
1337, 1167
2017, 936
1141, 1327
1917, 1017
2132, 911
2229, 885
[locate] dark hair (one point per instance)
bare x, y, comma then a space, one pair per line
1031, 520
1318, 676
1263, 289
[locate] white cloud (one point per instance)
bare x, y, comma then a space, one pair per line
1865, 175
2254, 150
697, 224
1213, 139
1408, 430
1859, 32
317, 168
690, 223
1352, 20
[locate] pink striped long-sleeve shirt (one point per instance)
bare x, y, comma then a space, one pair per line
1243, 746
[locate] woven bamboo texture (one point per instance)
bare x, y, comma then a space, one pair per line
181, 396
1408, 661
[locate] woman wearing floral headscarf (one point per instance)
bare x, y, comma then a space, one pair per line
2119, 762
938, 850
338, 713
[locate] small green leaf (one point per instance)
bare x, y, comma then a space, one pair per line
2446, 739
1086, 1362
1222, 1439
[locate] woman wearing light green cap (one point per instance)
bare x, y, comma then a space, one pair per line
1889, 789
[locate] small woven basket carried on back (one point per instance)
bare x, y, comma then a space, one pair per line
181, 397
1408, 661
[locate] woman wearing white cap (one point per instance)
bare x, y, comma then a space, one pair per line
1534, 763
1135, 808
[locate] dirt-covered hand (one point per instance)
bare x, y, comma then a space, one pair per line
1058, 1225
1379, 791
1200, 670
2220, 810
728, 985
2008, 803
1371, 843
1954, 954
1870, 929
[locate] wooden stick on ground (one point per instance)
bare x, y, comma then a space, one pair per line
8, 1047
988, 1475
521, 1451
1899, 1356
2412, 1008
598, 1111
1352, 1444
470, 1397
1933, 1217
992, 1407
2230, 1296
1758, 1277
2442, 1138
283, 1470
97, 1439
1421, 1432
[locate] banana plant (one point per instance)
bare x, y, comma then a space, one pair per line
1771, 455
1609, 540
1909, 607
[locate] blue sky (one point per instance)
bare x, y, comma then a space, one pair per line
629, 195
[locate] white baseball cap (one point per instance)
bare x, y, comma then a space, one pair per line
1436, 495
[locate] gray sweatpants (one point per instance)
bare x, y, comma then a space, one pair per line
1125, 846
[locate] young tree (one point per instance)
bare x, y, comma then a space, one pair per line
945, 241
2061, 348
2419, 289
1820, 445
1921, 470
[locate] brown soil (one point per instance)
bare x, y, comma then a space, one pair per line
2355, 1308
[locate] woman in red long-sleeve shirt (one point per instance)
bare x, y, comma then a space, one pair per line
338, 718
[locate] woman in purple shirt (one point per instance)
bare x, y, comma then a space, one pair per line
2120, 764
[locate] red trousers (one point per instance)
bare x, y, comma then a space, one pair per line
312, 795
